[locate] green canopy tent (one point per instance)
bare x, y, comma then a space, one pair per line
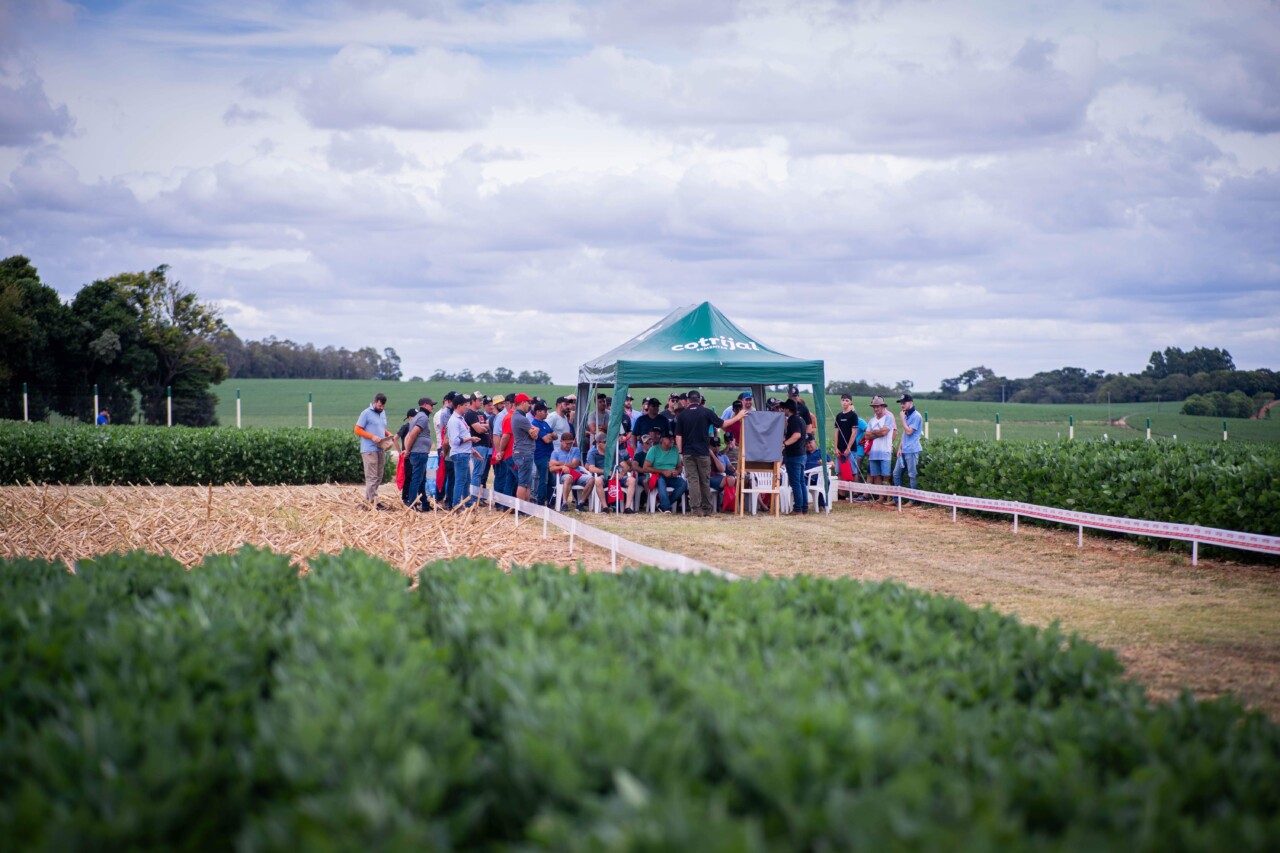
693, 347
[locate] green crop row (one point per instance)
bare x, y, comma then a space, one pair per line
1231, 486
177, 456
237, 706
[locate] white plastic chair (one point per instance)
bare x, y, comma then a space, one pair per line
813, 477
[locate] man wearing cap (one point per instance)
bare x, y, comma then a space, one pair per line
672, 409
650, 418
793, 456
371, 426
466, 462
880, 428
417, 450
810, 422
663, 460
559, 419
566, 464
909, 448
524, 438
693, 431
631, 414
745, 405
543, 446
444, 492
504, 475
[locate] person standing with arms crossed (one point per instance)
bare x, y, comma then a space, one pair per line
880, 429
371, 426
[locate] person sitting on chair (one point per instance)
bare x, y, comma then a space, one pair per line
664, 461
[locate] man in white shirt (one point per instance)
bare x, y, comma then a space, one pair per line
880, 429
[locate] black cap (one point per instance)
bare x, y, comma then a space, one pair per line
771, 402
793, 390
846, 397
788, 404
539, 405
562, 399
410, 414
452, 395
906, 398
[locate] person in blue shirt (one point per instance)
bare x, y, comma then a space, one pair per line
546, 441
371, 426
104, 419
909, 448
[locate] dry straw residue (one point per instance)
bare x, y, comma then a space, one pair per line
70, 523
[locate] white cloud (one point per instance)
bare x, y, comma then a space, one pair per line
903, 189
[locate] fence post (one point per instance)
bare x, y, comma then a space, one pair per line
1148, 429
1224, 430
237, 408
93, 418
997, 426
1071, 428
24, 401
309, 410
168, 398
926, 425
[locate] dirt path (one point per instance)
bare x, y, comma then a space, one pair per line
1210, 629
1262, 413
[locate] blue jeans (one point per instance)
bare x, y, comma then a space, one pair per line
542, 482
909, 461
462, 474
504, 477
477, 472
678, 488
417, 488
795, 476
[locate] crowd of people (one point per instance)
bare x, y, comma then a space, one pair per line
528, 447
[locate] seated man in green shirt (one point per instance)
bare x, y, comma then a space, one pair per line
663, 461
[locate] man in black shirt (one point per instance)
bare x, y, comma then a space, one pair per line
693, 441
810, 424
847, 437
793, 456
651, 418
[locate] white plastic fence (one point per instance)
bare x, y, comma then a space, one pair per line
611, 542
1192, 533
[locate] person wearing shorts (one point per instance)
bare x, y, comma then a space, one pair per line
524, 438
879, 462
566, 461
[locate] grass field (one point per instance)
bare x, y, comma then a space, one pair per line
337, 404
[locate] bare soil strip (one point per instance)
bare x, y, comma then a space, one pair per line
1211, 629
76, 522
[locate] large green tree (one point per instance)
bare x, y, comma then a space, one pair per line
34, 326
181, 333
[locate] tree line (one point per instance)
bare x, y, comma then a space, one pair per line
271, 358
1206, 379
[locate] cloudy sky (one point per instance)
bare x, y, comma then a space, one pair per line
904, 189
